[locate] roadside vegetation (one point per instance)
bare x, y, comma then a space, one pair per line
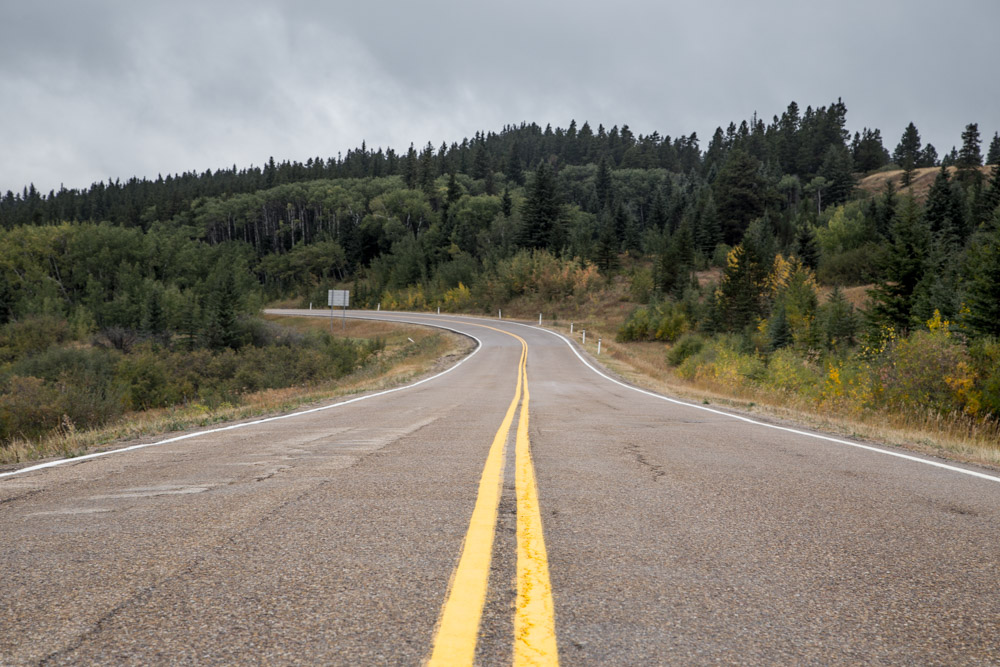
76, 394
788, 262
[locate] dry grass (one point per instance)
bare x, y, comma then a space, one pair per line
400, 362
919, 186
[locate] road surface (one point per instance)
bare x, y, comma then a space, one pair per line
519, 509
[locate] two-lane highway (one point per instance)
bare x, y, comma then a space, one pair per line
557, 514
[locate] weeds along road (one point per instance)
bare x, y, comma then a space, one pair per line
519, 509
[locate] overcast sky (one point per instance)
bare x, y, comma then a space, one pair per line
97, 90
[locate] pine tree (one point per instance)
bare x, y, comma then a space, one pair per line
541, 209
907, 152
741, 297
506, 203
607, 244
222, 330
944, 211
410, 168
993, 154
838, 170
969, 157
928, 157
982, 275
806, 248
602, 184
902, 267
739, 194
837, 320
779, 333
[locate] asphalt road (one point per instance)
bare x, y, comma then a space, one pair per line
554, 512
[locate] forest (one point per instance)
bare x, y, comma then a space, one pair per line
740, 250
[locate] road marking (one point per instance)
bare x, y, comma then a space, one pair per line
534, 619
458, 627
86, 457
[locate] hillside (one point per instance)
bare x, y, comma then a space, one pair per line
920, 185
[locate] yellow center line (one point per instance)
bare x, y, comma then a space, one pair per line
534, 620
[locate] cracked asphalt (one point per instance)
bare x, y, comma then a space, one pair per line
674, 536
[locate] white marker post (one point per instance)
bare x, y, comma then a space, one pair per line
539, 319
584, 336
500, 314
598, 346
571, 328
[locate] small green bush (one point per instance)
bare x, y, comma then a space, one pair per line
686, 346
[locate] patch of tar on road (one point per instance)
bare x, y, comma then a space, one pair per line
656, 470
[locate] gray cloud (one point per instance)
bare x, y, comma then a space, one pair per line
113, 89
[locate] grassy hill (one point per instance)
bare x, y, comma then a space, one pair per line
920, 185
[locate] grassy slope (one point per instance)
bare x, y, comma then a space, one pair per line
920, 185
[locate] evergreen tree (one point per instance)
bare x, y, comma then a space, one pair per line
868, 152
513, 169
907, 153
506, 203
708, 230
928, 157
541, 209
982, 276
223, 331
607, 244
410, 168
837, 321
902, 267
602, 184
806, 248
838, 170
779, 333
741, 297
739, 194
993, 153
886, 210
944, 211
988, 202
969, 157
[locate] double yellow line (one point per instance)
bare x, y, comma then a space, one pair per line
534, 617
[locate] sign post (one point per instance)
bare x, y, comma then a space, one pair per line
338, 297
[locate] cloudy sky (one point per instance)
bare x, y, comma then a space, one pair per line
102, 89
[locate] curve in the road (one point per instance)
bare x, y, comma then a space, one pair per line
131, 448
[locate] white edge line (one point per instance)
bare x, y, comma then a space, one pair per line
77, 459
817, 436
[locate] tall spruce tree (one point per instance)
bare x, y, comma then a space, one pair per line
907, 152
541, 209
739, 194
945, 212
982, 280
902, 267
993, 153
970, 158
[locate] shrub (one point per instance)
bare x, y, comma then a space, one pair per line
928, 370
985, 355
31, 336
686, 346
28, 408
665, 322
